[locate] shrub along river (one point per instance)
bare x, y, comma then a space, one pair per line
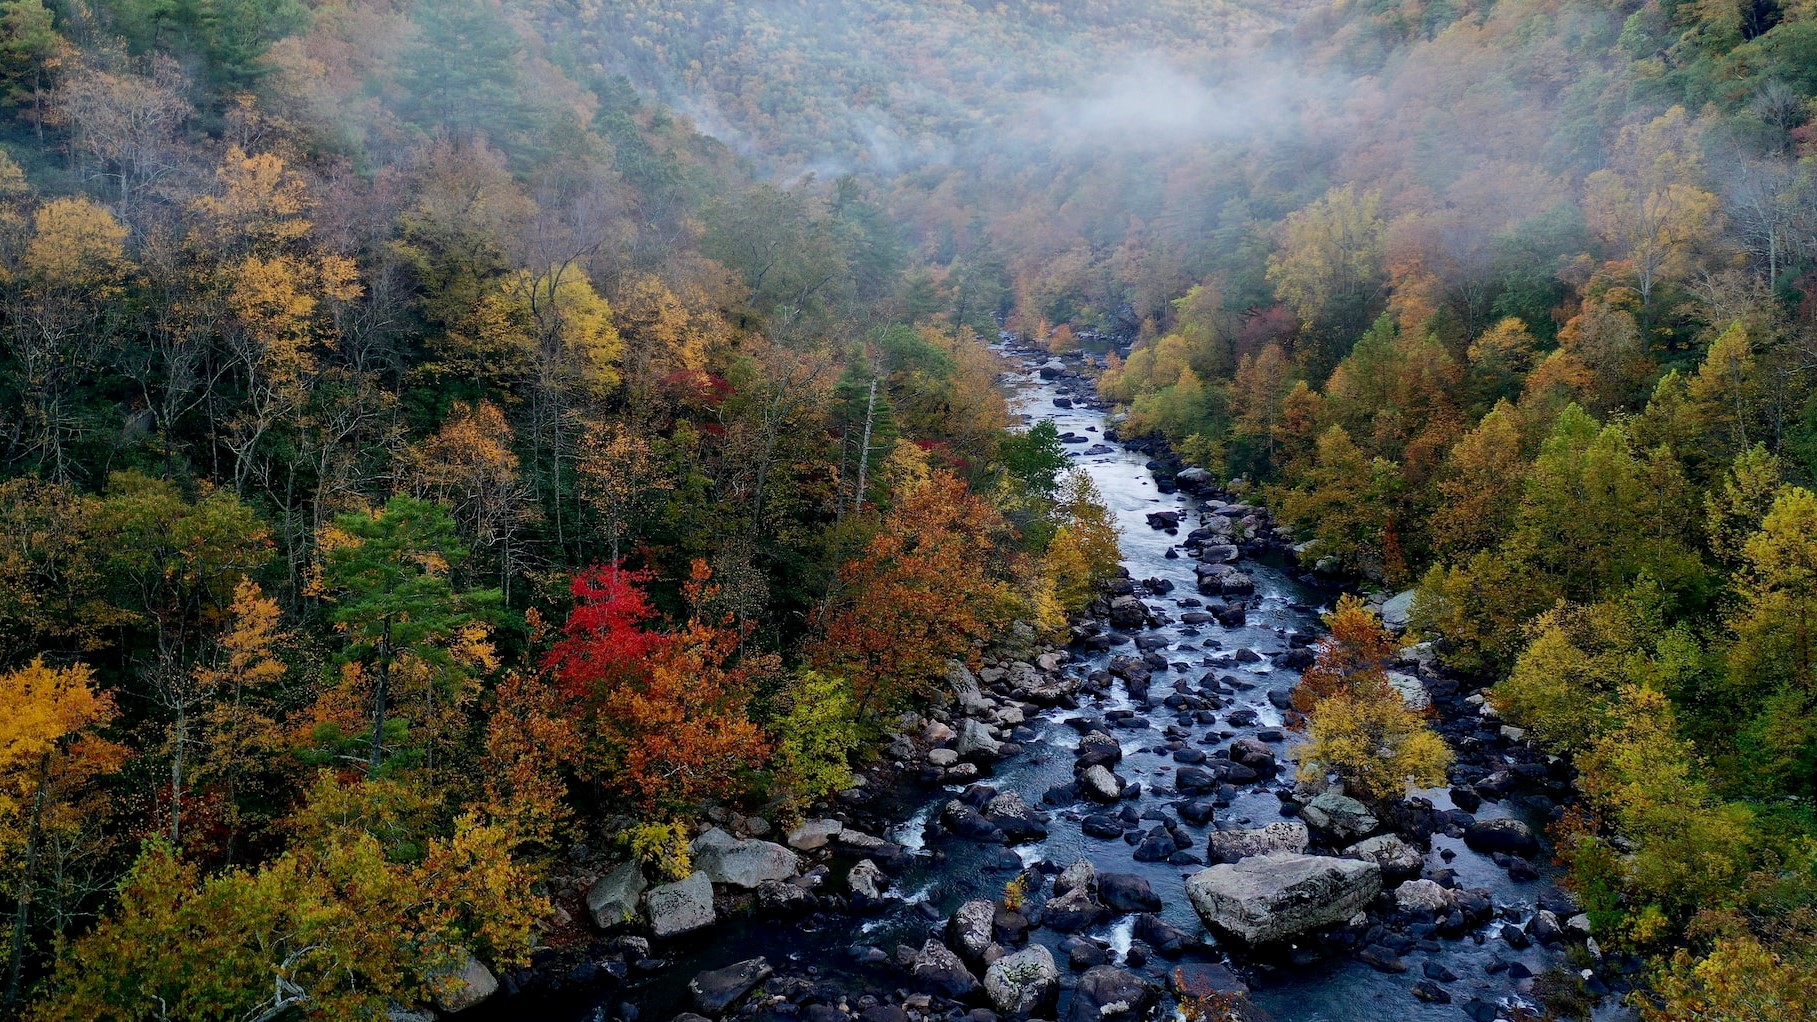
1469, 943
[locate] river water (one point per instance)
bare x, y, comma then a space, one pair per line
948, 872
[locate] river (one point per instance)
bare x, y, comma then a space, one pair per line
948, 872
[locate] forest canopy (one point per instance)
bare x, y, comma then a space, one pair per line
439, 434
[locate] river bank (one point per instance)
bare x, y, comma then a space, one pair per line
1173, 691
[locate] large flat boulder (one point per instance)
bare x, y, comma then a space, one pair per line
1268, 898
727, 860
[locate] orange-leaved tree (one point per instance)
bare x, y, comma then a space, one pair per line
1352, 657
668, 710
924, 588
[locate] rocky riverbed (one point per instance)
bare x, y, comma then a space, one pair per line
1132, 799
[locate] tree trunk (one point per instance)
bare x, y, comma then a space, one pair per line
864, 447
380, 693
176, 776
22, 911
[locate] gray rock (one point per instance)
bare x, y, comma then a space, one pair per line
964, 685
1502, 835
943, 757
969, 930
1098, 749
1340, 816
782, 898
1398, 609
1099, 784
1233, 845
1128, 612
1395, 856
867, 883
1108, 994
814, 834
1023, 983
1423, 896
936, 969
613, 900
1411, 690
727, 860
1018, 820
1267, 898
1049, 689
465, 985
681, 907
976, 744
1074, 910
718, 989
1253, 754
1081, 875
1127, 892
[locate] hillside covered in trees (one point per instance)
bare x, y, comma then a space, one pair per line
439, 435
421, 456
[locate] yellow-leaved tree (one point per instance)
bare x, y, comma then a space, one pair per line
48, 749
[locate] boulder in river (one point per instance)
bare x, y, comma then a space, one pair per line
719, 989
1074, 910
681, 907
1235, 845
1396, 857
1267, 898
1023, 983
867, 884
1501, 835
965, 822
1097, 749
1423, 896
1340, 817
1109, 994
937, 970
1099, 784
969, 929
1015, 818
976, 744
1127, 892
1081, 875
1128, 612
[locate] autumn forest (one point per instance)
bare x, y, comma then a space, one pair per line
444, 442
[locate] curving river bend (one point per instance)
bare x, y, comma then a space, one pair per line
947, 872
